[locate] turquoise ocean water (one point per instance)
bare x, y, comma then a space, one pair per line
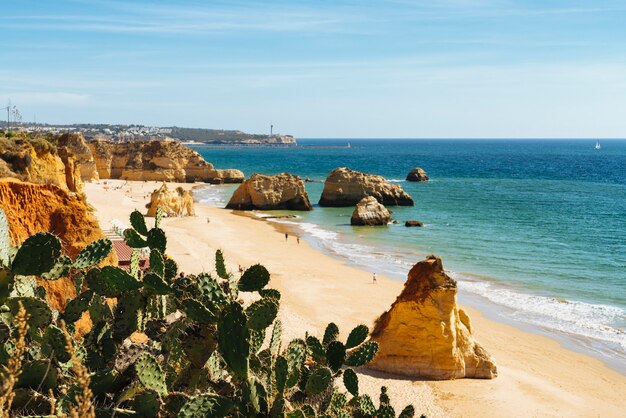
533, 230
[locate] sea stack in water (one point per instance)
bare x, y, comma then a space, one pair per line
369, 212
417, 174
345, 187
282, 191
425, 334
175, 202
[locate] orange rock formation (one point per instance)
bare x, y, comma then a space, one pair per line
425, 334
32, 208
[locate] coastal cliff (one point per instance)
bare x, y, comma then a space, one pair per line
156, 161
174, 202
346, 187
32, 208
39, 161
425, 334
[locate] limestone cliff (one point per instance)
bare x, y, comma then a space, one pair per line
345, 187
425, 334
39, 161
282, 191
32, 208
369, 212
175, 202
155, 161
76, 145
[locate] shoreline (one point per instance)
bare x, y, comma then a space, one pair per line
537, 376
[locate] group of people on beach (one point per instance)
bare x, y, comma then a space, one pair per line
287, 238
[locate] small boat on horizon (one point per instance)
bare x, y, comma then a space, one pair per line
598, 146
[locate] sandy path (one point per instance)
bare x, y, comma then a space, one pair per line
537, 377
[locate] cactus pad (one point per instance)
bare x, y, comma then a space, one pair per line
128, 314
61, 268
262, 313
363, 355
133, 239
93, 254
157, 240
275, 338
270, 294
138, 222
206, 405
315, 347
351, 382
220, 266
37, 255
38, 374
39, 313
157, 284
254, 279
157, 264
147, 404
331, 333
386, 411
150, 374
335, 355
318, 381
357, 336
110, 281
55, 338
296, 354
234, 339
75, 307
171, 269
198, 312
407, 412
280, 373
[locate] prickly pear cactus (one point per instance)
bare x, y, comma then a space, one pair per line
157, 265
93, 254
254, 279
318, 381
61, 268
134, 264
138, 222
150, 374
407, 412
39, 313
262, 313
331, 334
156, 239
363, 355
335, 355
158, 216
220, 265
357, 336
133, 239
37, 255
351, 382
234, 339
75, 307
206, 405
111, 281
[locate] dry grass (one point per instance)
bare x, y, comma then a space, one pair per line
83, 406
11, 372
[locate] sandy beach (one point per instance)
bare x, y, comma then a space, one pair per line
537, 377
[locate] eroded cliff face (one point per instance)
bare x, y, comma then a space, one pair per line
38, 161
282, 191
155, 161
76, 145
175, 202
32, 208
425, 334
346, 187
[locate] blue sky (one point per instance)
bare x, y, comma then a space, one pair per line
398, 68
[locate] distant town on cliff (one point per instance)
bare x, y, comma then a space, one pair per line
128, 133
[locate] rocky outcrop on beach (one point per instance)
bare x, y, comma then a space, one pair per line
174, 202
38, 161
226, 176
282, 191
412, 223
417, 174
346, 187
156, 161
76, 145
425, 334
32, 208
371, 213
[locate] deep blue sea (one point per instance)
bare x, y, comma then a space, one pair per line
535, 229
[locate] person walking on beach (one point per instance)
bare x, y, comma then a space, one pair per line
286, 236
374, 278
298, 240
